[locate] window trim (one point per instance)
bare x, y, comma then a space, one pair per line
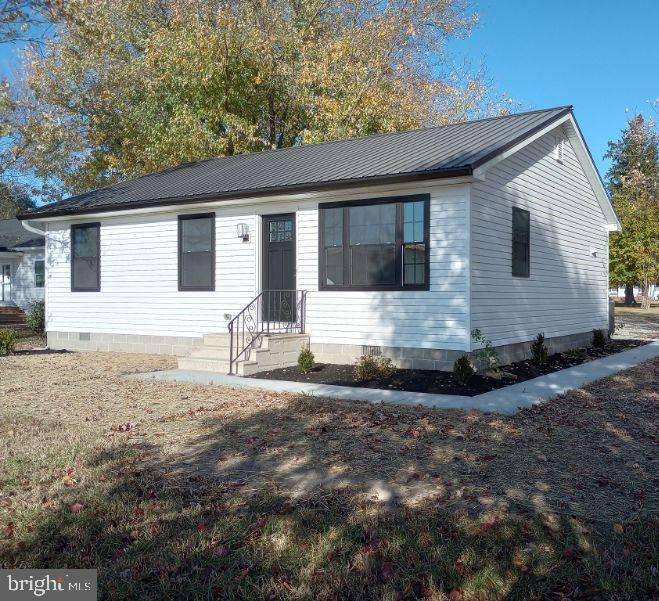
82, 226
514, 273
188, 217
398, 201
43, 285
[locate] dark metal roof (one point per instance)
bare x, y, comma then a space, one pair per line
14, 236
446, 151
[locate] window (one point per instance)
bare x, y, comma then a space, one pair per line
521, 243
86, 257
377, 244
196, 246
39, 273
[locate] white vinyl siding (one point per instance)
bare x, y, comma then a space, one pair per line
23, 290
139, 285
566, 291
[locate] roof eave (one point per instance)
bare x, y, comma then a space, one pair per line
463, 171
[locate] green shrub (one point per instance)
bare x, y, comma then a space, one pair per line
305, 360
374, 368
539, 352
463, 370
7, 342
599, 338
36, 317
488, 359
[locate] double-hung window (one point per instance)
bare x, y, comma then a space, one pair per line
86, 257
196, 252
379, 244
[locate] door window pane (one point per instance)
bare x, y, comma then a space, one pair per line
281, 231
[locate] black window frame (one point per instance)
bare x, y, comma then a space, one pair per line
82, 226
399, 284
43, 282
521, 265
181, 219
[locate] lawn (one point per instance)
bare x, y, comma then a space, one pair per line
187, 492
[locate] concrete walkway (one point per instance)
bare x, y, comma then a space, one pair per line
504, 400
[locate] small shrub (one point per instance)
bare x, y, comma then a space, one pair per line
7, 342
539, 352
36, 317
305, 360
599, 338
488, 359
463, 370
374, 368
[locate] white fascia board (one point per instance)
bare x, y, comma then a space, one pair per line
585, 159
411, 187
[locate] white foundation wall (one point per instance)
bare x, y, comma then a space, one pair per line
567, 291
139, 277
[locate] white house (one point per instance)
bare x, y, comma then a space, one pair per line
397, 244
22, 265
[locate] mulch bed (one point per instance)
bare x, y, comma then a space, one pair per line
443, 382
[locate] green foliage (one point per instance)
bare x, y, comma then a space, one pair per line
305, 360
488, 359
7, 341
599, 338
463, 370
36, 317
633, 181
146, 85
539, 352
374, 368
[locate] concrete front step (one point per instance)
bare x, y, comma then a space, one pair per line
274, 351
204, 364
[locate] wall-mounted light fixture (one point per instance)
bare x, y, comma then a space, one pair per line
243, 231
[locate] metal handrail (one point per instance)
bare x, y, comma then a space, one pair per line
270, 312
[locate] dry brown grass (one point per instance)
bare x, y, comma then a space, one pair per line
303, 482
589, 453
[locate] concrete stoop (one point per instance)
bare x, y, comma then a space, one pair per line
274, 351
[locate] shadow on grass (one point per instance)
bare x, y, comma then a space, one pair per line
201, 527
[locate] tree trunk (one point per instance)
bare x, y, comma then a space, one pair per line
629, 295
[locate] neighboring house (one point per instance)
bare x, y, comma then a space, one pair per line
22, 265
397, 244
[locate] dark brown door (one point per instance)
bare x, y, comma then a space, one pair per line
278, 279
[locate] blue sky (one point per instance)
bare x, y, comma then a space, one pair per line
601, 56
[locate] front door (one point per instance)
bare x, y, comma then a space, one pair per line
278, 281
5, 283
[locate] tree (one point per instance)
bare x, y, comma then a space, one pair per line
633, 181
128, 87
13, 200
18, 18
